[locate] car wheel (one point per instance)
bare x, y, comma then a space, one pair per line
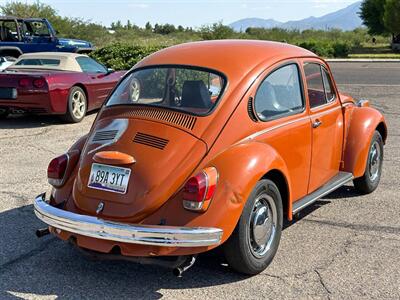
77, 105
255, 240
4, 112
370, 180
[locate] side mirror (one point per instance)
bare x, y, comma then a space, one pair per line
110, 70
57, 32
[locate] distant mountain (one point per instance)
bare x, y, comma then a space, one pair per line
345, 19
243, 24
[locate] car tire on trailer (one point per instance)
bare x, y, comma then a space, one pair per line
76, 106
373, 170
255, 240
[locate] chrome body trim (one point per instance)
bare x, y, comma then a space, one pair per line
155, 235
337, 181
362, 102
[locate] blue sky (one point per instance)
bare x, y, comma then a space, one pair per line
192, 12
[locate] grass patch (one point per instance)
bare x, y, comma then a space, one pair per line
376, 56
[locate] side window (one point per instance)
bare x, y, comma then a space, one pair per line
89, 65
8, 31
279, 94
315, 84
329, 90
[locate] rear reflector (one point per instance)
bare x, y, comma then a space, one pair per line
199, 190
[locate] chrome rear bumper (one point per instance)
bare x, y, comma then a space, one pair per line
157, 235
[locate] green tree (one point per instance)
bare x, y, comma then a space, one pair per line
148, 26
216, 31
34, 10
371, 13
391, 17
128, 25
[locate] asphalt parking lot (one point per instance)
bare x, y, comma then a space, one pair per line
345, 246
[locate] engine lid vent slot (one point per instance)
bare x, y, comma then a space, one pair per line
150, 140
104, 135
176, 118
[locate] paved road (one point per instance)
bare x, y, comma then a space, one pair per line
371, 74
345, 246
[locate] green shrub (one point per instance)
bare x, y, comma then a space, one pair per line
323, 49
341, 49
327, 49
121, 56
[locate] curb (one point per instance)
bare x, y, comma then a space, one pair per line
370, 60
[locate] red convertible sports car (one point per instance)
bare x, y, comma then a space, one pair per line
65, 84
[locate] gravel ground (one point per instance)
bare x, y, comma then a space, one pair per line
344, 246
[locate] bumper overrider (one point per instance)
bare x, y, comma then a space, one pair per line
157, 235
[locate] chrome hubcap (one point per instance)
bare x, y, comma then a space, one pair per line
374, 161
78, 104
262, 227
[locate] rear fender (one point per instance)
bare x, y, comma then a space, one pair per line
240, 168
362, 123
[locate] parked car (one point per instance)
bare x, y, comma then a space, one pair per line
211, 144
6, 61
65, 84
18, 36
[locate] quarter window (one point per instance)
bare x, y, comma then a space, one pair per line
89, 65
319, 85
279, 94
329, 91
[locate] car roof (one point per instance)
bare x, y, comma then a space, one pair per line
67, 61
234, 58
20, 19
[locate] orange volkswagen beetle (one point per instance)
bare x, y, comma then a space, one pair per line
211, 144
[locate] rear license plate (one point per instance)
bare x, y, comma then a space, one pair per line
8, 93
109, 178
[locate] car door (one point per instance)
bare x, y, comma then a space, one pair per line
327, 123
37, 36
100, 81
284, 123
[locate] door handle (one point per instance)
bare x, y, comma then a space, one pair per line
316, 123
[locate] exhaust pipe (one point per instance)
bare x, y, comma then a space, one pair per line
188, 263
18, 111
42, 232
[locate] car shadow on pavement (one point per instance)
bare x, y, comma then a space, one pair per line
346, 191
22, 121
32, 267
50, 267
29, 121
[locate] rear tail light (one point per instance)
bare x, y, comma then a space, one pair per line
56, 170
199, 190
24, 82
39, 83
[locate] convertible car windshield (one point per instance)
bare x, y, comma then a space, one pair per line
189, 89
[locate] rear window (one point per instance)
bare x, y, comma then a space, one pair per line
38, 62
191, 90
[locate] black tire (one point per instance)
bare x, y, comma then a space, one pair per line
368, 183
72, 116
4, 112
243, 254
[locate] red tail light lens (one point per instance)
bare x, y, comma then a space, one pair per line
56, 170
39, 83
199, 190
24, 82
